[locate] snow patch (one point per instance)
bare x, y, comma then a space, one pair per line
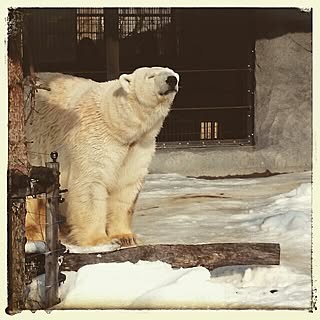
146, 285
99, 248
35, 246
175, 209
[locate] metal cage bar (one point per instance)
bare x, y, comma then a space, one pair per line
90, 24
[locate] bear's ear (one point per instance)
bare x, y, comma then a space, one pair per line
125, 81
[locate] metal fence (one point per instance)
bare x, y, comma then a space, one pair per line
212, 49
90, 24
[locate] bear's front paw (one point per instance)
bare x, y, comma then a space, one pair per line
124, 240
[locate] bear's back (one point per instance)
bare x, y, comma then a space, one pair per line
65, 90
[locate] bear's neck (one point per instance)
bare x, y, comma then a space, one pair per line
132, 121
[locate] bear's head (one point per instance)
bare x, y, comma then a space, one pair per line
151, 86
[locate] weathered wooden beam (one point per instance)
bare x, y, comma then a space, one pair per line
52, 240
210, 256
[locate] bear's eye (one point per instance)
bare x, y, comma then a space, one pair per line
151, 77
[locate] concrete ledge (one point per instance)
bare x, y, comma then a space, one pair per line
228, 161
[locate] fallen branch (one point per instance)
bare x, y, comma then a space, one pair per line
210, 256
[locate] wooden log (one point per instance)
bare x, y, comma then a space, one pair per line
17, 151
210, 256
17, 162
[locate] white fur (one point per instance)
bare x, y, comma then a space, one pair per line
105, 136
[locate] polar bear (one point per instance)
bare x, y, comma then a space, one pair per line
105, 136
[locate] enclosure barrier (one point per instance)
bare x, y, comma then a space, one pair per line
52, 237
40, 180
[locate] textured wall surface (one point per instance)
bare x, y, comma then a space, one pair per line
283, 97
283, 117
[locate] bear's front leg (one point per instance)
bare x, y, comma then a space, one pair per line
121, 205
122, 198
86, 206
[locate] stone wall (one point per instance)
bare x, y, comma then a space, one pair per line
283, 114
283, 107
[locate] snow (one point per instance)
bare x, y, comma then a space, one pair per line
176, 209
156, 285
99, 248
35, 246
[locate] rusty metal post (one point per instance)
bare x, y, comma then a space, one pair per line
52, 241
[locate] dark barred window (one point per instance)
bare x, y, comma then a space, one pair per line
90, 24
146, 36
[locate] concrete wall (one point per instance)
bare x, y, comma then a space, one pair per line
283, 111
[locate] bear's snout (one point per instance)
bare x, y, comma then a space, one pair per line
168, 84
172, 82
